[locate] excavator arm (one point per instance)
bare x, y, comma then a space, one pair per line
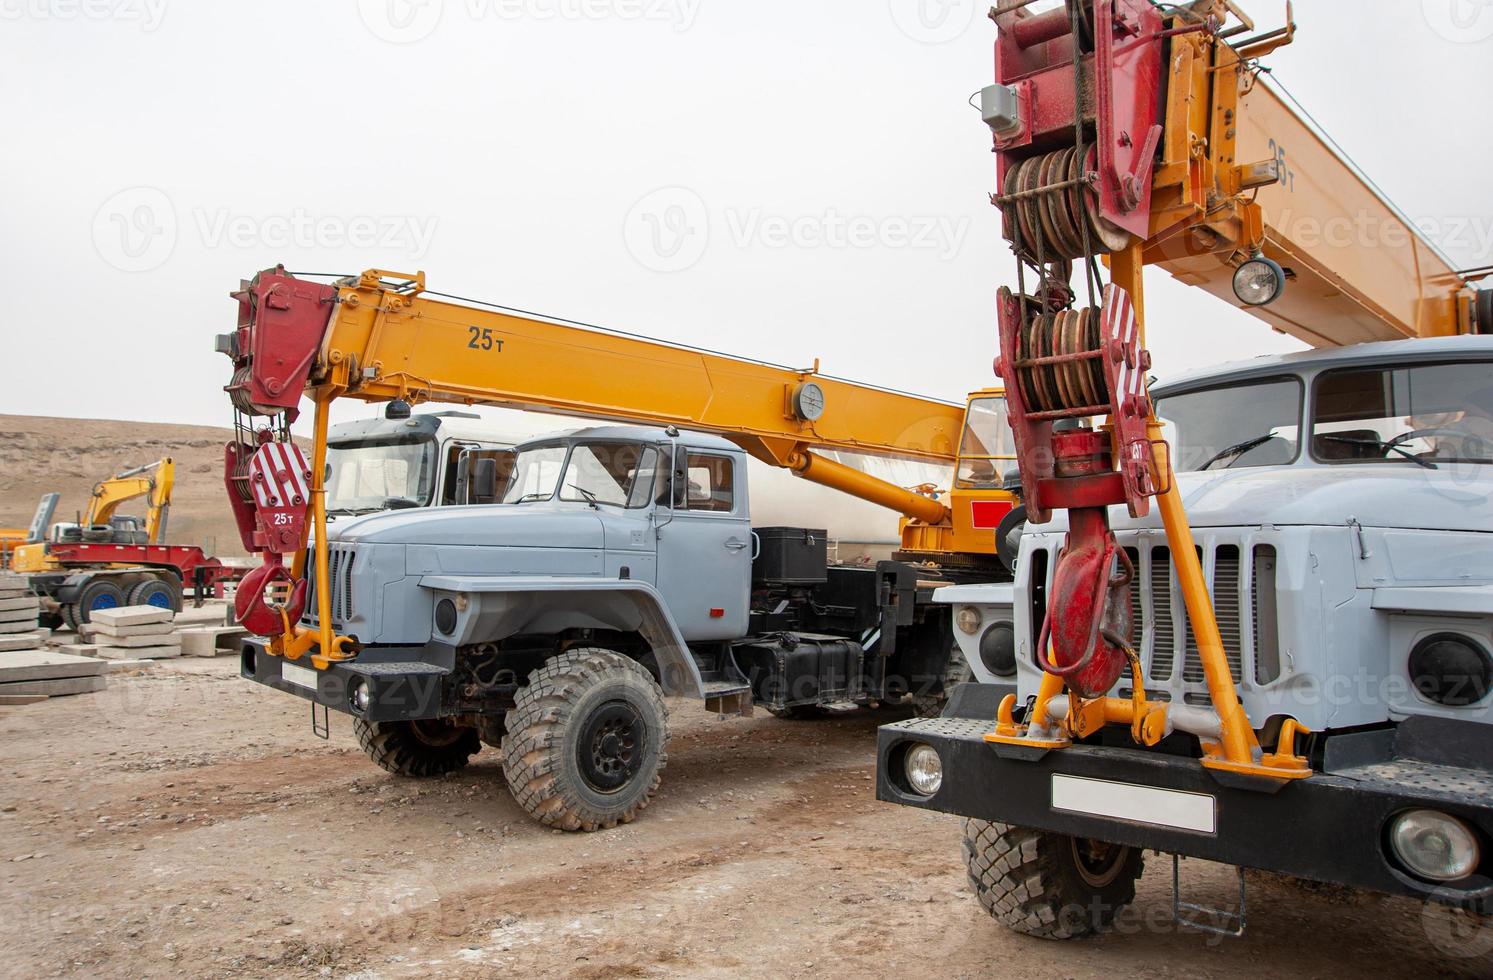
153, 481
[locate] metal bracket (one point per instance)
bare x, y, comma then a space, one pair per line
1233, 921
322, 729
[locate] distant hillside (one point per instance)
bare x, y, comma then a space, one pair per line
39, 455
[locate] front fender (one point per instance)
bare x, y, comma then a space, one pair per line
494, 607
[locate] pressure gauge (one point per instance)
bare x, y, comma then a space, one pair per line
808, 401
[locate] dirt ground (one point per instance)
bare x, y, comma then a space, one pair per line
187, 823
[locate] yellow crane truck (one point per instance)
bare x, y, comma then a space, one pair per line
1253, 606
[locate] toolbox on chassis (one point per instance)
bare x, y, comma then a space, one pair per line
619, 566
1342, 505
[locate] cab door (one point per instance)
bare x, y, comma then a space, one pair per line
705, 545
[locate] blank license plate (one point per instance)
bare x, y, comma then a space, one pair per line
299, 676
1134, 803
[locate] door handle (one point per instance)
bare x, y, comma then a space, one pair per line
735, 544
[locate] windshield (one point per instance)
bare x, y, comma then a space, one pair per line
535, 473
1253, 424
621, 474
369, 475
985, 445
1416, 414
617, 473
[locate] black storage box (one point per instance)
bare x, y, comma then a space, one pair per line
790, 556
795, 669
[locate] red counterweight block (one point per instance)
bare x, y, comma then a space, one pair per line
282, 321
1119, 46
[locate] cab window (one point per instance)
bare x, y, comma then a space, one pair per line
712, 486
985, 447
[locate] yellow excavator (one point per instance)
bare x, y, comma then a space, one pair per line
106, 559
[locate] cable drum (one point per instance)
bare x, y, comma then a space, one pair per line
1059, 368
1047, 203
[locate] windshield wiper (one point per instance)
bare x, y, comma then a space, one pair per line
1238, 449
590, 497
1382, 447
532, 496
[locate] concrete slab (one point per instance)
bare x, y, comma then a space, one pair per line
21, 641
14, 699
55, 688
79, 649
27, 625
130, 616
20, 602
38, 665
14, 593
11, 581
210, 641
144, 629
125, 653
212, 613
134, 642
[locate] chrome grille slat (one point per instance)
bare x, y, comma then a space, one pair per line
1163, 629
1228, 613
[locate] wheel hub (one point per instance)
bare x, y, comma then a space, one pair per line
611, 745
1098, 862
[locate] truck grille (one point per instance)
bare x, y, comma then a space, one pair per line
1244, 604
339, 573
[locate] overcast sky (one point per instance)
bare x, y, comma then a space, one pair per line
776, 179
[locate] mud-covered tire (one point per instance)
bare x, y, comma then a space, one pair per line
956, 671
1049, 885
420, 749
69, 616
586, 742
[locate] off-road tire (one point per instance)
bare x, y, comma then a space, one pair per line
956, 671
556, 754
1031, 881
420, 749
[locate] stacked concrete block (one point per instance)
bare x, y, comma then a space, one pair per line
27, 674
132, 632
18, 612
210, 641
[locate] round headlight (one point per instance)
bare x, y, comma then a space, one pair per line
445, 616
923, 768
1434, 845
1259, 281
998, 649
1451, 669
358, 695
968, 620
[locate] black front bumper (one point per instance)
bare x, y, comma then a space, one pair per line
1330, 827
400, 686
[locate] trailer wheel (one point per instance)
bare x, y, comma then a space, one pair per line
163, 593
956, 671
1049, 885
420, 749
585, 745
69, 614
98, 594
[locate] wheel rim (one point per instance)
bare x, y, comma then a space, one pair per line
435, 733
611, 745
1098, 862
105, 601
159, 599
